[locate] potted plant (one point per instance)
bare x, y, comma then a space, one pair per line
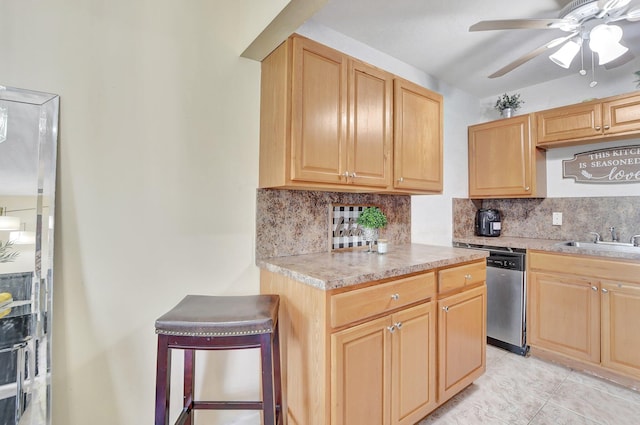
507, 105
6, 255
370, 220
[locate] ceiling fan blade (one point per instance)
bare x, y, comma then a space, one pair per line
514, 24
532, 54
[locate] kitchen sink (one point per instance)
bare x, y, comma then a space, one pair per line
604, 246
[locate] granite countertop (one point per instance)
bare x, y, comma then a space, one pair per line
550, 245
335, 270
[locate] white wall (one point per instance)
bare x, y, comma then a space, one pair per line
158, 167
431, 220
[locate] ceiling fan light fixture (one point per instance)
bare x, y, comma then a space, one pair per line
605, 41
565, 55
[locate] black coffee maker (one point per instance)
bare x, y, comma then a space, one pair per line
488, 222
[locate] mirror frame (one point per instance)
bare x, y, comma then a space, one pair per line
30, 117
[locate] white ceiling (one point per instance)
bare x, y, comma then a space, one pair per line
433, 36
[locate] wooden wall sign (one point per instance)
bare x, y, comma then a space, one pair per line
612, 165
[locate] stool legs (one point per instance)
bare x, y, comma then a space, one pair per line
189, 380
163, 381
268, 399
271, 404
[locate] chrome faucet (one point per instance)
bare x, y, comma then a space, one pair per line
614, 235
634, 240
596, 239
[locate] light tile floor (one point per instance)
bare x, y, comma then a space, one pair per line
527, 391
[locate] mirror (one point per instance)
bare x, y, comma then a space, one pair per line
28, 146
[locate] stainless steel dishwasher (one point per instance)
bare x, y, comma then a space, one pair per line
506, 300
506, 297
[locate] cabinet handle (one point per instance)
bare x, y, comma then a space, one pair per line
398, 325
391, 328
605, 291
445, 308
395, 297
467, 276
606, 127
598, 128
595, 288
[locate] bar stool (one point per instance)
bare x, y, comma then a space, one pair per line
201, 322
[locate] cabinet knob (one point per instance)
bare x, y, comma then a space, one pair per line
467, 276
398, 325
391, 328
395, 297
353, 175
401, 179
598, 128
606, 127
445, 308
527, 188
605, 291
595, 288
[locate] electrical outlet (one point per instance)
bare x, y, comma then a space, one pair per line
557, 219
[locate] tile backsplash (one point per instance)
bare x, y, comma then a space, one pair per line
532, 218
294, 222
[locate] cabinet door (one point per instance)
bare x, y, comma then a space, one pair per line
319, 113
621, 115
500, 158
462, 333
413, 375
569, 122
564, 315
620, 337
417, 138
361, 362
369, 142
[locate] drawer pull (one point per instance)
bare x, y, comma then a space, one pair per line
391, 328
395, 297
445, 308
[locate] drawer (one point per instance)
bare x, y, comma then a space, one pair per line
458, 277
359, 304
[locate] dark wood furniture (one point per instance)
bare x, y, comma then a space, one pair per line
202, 322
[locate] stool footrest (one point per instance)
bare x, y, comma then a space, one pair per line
228, 405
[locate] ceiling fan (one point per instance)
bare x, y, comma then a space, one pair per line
585, 21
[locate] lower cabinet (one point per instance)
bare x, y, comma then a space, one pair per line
462, 334
620, 304
369, 355
383, 371
565, 315
586, 309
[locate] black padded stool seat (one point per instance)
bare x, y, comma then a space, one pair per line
201, 322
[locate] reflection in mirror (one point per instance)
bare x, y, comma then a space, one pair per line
28, 146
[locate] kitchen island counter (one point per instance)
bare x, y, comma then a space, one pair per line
328, 271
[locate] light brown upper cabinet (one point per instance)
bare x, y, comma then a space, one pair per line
325, 120
503, 160
418, 117
612, 118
